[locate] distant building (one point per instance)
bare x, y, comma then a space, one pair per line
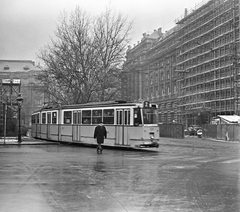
26, 71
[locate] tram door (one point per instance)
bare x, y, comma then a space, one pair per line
123, 122
77, 115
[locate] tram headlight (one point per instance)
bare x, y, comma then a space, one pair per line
151, 136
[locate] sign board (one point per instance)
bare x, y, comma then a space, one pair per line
6, 81
16, 81
9, 81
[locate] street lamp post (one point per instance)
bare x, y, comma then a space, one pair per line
20, 101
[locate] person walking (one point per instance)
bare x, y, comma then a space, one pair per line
100, 133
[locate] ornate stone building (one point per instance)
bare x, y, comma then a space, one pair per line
25, 71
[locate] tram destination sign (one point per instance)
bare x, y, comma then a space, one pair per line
146, 104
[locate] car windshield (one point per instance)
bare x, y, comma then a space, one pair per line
149, 116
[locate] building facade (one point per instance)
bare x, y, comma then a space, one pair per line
19, 76
208, 54
192, 71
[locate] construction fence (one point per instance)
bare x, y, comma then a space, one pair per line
226, 132
171, 130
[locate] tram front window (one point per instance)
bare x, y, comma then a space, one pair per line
149, 116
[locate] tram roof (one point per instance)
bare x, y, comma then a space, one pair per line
92, 105
101, 104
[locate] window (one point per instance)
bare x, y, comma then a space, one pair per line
33, 119
127, 117
137, 116
96, 116
77, 116
54, 118
49, 118
149, 116
6, 67
38, 118
119, 117
108, 116
86, 116
67, 117
43, 118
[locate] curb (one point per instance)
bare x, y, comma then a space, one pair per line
25, 141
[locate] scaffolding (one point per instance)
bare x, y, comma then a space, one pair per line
208, 55
9, 90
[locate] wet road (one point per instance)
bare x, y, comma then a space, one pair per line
183, 175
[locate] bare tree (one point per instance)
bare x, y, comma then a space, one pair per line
111, 34
83, 61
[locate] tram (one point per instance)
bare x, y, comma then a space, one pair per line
130, 125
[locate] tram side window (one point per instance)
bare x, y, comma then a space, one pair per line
43, 118
54, 118
33, 119
127, 117
38, 118
86, 116
137, 116
96, 116
108, 116
79, 117
67, 117
49, 118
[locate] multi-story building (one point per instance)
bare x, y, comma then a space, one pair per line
207, 54
24, 72
134, 67
191, 71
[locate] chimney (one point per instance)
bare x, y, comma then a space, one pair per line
160, 33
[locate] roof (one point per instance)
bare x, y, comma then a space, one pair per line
18, 66
230, 118
94, 105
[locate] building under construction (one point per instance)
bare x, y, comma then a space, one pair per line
192, 71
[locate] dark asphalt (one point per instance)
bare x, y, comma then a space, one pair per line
188, 175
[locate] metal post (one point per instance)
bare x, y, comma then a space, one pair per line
19, 124
5, 122
19, 100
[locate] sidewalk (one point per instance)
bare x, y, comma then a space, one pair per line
25, 141
189, 139
163, 140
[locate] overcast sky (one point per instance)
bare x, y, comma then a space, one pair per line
26, 25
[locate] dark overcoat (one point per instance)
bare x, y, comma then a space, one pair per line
100, 133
